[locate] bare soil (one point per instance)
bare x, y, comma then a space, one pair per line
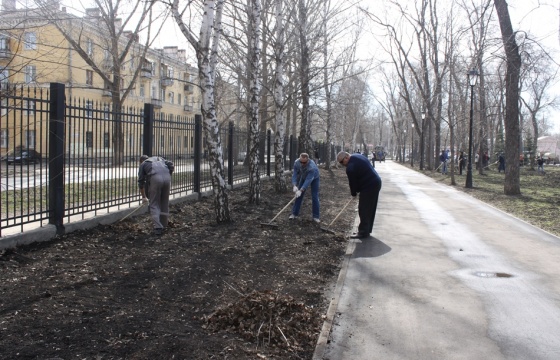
200, 291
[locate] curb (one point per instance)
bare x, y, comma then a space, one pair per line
323, 340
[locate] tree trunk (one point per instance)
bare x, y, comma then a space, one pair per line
279, 179
255, 97
511, 184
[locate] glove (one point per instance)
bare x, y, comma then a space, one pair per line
298, 193
295, 189
145, 200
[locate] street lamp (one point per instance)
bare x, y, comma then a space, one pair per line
472, 77
422, 141
412, 156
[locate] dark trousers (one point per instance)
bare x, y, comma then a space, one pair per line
366, 210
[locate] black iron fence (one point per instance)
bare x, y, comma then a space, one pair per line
68, 159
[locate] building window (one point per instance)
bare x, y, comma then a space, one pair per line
89, 139
89, 109
30, 139
29, 107
154, 92
162, 95
89, 77
106, 140
4, 76
106, 111
185, 142
142, 91
171, 97
30, 41
89, 47
179, 99
30, 74
4, 138
4, 42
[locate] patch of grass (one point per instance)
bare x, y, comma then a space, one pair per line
539, 200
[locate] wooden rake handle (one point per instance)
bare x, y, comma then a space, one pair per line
340, 212
284, 208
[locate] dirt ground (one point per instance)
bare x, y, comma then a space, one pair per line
200, 291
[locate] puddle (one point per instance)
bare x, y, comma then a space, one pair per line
484, 274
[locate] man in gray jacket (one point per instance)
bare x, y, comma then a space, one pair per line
154, 181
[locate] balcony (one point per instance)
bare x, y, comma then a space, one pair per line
188, 108
165, 82
156, 102
188, 88
107, 93
146, 73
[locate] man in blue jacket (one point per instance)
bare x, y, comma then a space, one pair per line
305, 176
363, 179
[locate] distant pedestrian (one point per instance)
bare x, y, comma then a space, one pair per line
363, 179
501, 163
305, 176
540, 165
154, 181
443, 160
461, 162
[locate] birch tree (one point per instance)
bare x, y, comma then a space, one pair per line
206, 50
254, 98
279, 101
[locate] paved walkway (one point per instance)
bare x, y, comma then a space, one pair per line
444, 276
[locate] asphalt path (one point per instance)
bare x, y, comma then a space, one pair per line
445, 276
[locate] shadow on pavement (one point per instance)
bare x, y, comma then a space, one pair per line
370, 247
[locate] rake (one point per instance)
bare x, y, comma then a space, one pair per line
280, 212
132, 212
327, 229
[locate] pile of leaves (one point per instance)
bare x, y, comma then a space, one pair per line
201, 290
269, 319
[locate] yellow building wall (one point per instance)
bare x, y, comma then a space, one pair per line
56, 61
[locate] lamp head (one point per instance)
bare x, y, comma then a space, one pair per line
472, 76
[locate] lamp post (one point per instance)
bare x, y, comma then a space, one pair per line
412, 152
472, 77
422, 141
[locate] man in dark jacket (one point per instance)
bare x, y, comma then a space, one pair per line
154, 181
363, 179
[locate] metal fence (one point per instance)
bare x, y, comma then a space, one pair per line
86, 156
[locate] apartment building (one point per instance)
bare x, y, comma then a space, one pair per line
34, 53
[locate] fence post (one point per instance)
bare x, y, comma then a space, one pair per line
268, 133
148, 139
57, 124
230, 153
197, 151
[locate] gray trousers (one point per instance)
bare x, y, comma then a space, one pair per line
158, 193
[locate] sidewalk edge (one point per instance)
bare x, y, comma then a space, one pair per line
323, 339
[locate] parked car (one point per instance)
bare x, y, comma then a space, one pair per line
23, 155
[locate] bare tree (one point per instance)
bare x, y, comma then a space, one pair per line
279, 101
206, 49
117, 45
254, 98
537, 79
511, 184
